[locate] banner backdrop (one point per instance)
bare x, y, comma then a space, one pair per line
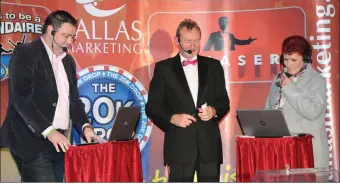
118, 43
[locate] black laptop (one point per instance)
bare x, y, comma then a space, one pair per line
262, 123
124, 125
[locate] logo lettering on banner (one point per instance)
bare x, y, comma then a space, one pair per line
104, 89
323, 48
90, 7
107, 36
18, 25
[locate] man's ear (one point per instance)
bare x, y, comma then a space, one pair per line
50, 29
176, 40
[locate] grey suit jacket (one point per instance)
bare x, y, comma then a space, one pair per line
305, 109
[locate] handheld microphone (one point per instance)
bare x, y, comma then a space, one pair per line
288, 75
179, 43
285, 70
278, 83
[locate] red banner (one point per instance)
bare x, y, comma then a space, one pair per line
130, 36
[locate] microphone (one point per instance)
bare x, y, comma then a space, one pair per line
63, 48
179, 43
285, 71
288, 74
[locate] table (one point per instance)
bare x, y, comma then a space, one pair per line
118, 161
305, 175
272, 153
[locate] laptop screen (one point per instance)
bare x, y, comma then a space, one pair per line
125, 123
262, 123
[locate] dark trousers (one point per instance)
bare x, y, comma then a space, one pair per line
47, 167
206, 171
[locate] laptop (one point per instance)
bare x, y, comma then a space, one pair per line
124, 125
263, 123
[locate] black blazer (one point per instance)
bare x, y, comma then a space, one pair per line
33, 97
169, 94
218, 42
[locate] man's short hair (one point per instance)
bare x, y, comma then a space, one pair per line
57, 19
189, 24
222, 18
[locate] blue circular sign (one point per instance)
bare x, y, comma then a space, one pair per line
104, 89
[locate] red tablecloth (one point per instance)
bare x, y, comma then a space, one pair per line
271, 153
109, 162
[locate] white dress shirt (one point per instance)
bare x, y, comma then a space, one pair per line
61, 116
191, 74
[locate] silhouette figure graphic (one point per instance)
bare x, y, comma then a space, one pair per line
19, 42
3, 50
223, 39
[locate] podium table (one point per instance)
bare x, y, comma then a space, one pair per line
310, 175
118, 161
271, 154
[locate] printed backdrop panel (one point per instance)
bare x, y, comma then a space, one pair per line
118, 43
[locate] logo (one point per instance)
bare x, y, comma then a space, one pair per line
4, 66
262, 123
5, 58
222, 40
104, 89
90, 7
4, 72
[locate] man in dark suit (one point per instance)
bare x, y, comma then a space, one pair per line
223, 39
187, 99
43, 98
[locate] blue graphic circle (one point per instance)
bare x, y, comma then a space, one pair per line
103, 92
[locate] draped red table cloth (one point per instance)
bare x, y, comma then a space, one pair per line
271, 153
118, 161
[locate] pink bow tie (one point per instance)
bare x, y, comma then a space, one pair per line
193, 62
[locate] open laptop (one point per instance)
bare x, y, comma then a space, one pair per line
124, 125
263, 123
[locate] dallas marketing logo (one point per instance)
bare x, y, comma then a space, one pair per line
90, 7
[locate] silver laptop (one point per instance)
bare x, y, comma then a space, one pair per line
262, 123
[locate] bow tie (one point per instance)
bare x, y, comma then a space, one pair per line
186, 63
